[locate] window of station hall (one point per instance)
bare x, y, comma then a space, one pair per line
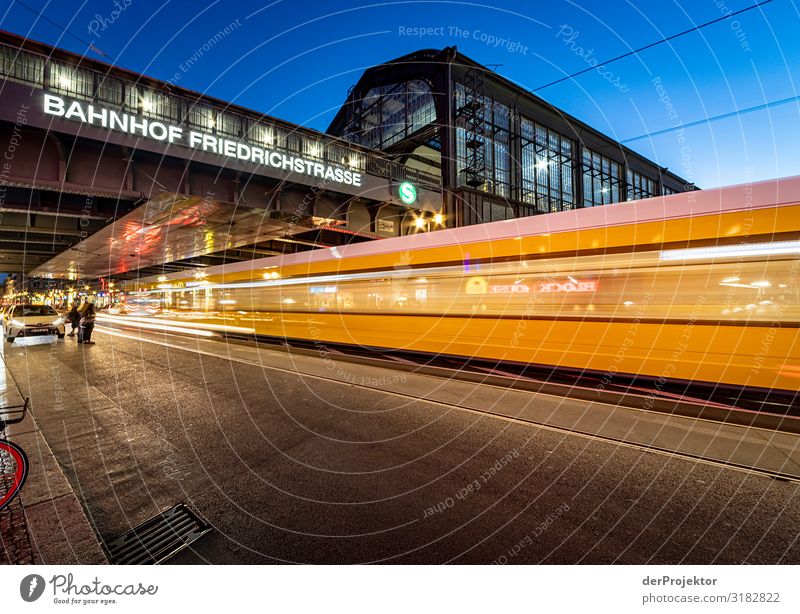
496, 138
389, 113
110, 91
547, 169
202, 117
640, 186
159, 106
602, 179
342, 155
228, 124
313, 148
19, 66
260, 134
266, 135
71, 81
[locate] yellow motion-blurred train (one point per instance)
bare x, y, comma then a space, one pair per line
699, 287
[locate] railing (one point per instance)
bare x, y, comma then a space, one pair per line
92, 85
400, 172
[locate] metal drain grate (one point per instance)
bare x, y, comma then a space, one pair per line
158, 538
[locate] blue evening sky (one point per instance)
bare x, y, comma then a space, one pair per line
296, 60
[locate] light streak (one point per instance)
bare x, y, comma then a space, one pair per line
200, 325
775, 248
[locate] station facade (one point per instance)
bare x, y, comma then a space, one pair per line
500, 151
110, 173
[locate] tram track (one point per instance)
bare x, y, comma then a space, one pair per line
790, 473
635, 395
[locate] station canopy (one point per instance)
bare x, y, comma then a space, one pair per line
173, 228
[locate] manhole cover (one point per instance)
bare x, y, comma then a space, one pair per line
158, 538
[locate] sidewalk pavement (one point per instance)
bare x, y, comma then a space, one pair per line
45, 523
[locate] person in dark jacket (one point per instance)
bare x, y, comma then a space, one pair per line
87, 324
74, 318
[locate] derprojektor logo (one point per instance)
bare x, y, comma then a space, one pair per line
31, 587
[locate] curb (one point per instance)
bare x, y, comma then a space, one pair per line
55, 523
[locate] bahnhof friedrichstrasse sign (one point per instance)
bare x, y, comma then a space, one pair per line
94, 115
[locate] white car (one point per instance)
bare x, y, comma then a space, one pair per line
30, 320
5, 315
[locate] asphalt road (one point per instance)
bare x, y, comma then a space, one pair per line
291, 468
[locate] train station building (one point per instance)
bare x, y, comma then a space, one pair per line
500, 150
112, 174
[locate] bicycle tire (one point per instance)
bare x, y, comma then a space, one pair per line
12, 478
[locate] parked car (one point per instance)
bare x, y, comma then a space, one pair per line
30, 320
5, 315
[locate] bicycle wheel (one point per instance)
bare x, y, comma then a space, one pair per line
13, 471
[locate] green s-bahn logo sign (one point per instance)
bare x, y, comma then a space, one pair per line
407, 193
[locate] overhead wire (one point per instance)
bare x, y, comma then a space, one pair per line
707, 120
89, 45
653, 44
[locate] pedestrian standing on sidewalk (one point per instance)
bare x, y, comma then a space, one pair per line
87, 324
81, 308
74, 318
